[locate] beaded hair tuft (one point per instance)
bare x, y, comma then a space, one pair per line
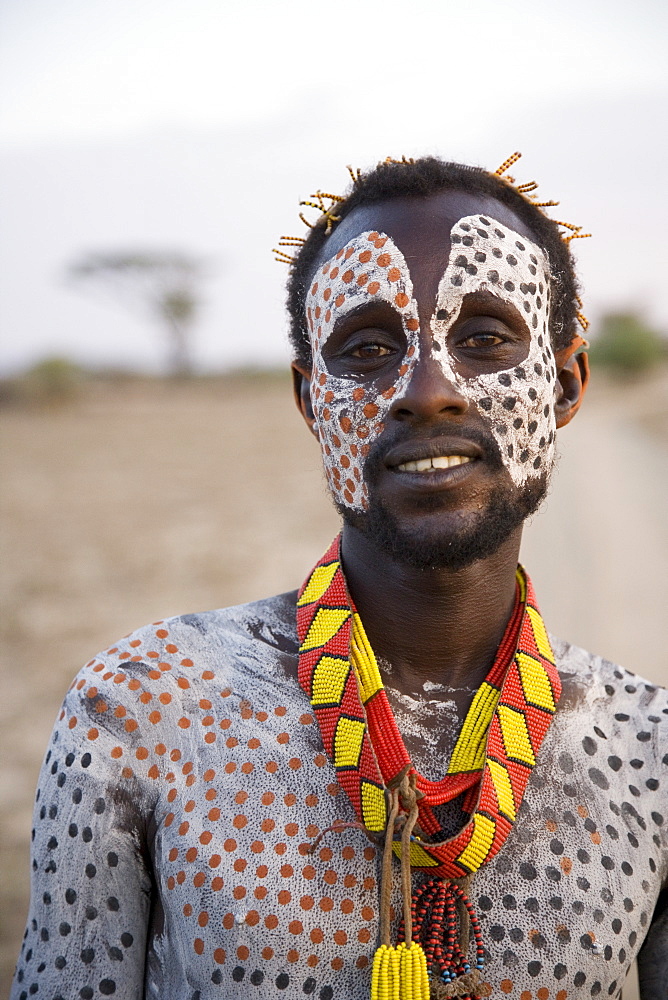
326, 213
325, 203
526, 190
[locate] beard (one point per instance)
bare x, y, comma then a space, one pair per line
469, 536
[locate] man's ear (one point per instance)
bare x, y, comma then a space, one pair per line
301, 385
572, 379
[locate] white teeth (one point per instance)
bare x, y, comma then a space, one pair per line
440, 462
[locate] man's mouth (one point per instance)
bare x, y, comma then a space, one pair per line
437, 462
433, 455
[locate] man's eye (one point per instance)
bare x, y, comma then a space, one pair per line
482, 340
370, 351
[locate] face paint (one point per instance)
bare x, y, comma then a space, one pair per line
517, 402
348, 417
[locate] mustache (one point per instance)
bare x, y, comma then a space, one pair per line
404, 435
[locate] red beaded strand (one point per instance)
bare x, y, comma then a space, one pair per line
436, 927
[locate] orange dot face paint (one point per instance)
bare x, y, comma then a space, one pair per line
348, 414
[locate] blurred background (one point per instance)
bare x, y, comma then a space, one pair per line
152, 152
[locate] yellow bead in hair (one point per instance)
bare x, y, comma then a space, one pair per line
513, 158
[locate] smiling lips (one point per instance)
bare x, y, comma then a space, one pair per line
438, 462
433, 456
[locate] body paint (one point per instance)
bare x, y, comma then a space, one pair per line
348, 417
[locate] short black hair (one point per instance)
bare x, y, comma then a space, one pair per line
422, 178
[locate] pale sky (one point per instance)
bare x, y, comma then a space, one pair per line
199, 124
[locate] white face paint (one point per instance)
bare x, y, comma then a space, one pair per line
348, 417
517, 403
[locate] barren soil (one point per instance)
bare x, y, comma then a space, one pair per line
133, 502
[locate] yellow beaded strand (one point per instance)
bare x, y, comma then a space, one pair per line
400, 973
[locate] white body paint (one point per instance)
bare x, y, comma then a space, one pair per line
429, 727
517, 403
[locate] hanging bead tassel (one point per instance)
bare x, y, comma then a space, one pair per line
399, 973
437, 909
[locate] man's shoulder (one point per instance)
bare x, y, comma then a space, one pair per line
235, 647
577, 663
615, 700
270, 621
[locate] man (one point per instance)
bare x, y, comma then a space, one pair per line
394, 783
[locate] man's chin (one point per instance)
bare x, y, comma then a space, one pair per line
452, 541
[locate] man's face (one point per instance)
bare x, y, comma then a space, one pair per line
433, 378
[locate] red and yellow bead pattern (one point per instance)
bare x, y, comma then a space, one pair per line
501, 735
324, 625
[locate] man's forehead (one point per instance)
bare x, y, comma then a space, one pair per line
420, 226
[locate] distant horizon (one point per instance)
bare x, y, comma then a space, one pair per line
206, 139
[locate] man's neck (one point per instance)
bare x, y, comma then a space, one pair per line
437, 625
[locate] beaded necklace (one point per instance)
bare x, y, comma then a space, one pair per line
491, 762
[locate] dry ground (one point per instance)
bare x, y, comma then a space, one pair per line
136, 501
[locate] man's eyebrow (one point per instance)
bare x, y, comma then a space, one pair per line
354, 242
486, 294
488, 300
375, 307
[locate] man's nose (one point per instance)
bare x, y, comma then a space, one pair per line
429, 393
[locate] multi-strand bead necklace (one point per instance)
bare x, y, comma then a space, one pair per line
490, 765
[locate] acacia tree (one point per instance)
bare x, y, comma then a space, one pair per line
164, 283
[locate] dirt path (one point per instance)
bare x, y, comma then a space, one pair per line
138, 502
